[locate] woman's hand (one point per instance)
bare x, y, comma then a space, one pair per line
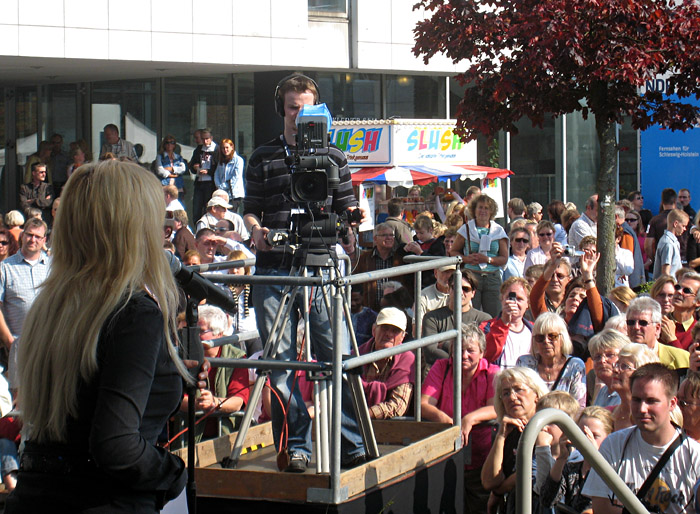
467, 424
694, 356
589, 261
508, 424
668, 330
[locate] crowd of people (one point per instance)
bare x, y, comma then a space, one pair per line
536, 332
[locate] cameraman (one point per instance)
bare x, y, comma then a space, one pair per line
268, 207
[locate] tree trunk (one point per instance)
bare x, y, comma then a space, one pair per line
607, 189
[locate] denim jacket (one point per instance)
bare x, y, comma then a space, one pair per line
179, 167
229, 177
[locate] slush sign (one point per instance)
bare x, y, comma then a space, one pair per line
369, 144
433, 139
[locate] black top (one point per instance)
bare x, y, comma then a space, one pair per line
110, 461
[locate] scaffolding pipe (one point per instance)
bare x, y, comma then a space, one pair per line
523, 463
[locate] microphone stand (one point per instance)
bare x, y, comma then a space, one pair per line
194, 351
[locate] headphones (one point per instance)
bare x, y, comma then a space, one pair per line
279, 101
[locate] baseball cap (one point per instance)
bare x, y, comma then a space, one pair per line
218, 201
392, 316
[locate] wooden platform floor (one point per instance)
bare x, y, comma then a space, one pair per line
405, 447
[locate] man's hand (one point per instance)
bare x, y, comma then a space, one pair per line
259, 236
206, 401
413, 247
589, 261
365, 215
668, 330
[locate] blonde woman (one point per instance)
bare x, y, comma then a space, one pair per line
98, 368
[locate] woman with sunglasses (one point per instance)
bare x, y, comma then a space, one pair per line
541, 254
550, 356
8, 244
170, 166
519, 244
516, 393
630, 357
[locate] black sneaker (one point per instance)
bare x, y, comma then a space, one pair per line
297, 463
355, 461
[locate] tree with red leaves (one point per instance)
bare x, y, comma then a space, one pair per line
537, 58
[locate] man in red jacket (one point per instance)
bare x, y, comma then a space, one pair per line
509, 336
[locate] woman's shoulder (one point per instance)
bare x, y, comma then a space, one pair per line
527, 361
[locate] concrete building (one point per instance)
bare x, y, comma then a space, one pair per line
158, 67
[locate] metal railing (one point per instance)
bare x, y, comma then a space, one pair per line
523, 466
338, 366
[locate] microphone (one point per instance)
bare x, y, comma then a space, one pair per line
196, 286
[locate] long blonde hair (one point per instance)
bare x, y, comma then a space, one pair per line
107, 246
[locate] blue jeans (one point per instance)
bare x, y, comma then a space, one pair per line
9, 461
266, 300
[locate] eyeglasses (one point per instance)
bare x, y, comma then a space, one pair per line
639, 198
546, 234
221, 229
517, 390
684, 403
608, 356
560, 276
521, 240
540, 338
385, 235
641, 322
631, 220
170, 142
624, 367
685, 290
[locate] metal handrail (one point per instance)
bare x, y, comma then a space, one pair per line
523, 465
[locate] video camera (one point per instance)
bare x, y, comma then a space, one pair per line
315, 175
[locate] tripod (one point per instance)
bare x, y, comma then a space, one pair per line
314, 261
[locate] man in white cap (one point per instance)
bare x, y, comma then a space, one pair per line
217, 211
388, 383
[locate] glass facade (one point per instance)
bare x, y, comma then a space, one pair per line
533, 160
582, 158
415, 97
329, 6
352, 95
60, 112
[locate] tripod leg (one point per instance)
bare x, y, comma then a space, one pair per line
362, 412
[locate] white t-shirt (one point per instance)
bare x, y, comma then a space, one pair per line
672, 490
517, 344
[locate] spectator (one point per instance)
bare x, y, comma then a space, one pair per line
541, 254
8, 245
621, 296
629, 241
658, 224
550, 356
78, 158
243, 318
534, 212
208, 243
531, 228
477, 407
217, 210
203, 164
363, 317
568, 217
184, 239
58, 164
689, 402
170, 166
229, 173
425, 243
516, 393
667, 258
684, 202
192, 258
519, 244
586, 225
442, 319
14, 222
676, 326
693, 250
630, 357
388, 383
450, 236
566, 477
509, 336
516, 210
637, 200
533, 274
624, 260
483, 244
555, 209
37, 193
402, 230
437, 294
382, 256
604, 348
115, 145
42, 156
227, 390
20, 278
633, 452
663, 290
634, 220
555, 277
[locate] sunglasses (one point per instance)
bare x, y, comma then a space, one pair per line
640, 322
685, 290
546, 234
560, 276
521, 240
4, 243
541, 338
684, 403
631, 220
170, 142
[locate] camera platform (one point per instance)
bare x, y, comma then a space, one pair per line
418, 471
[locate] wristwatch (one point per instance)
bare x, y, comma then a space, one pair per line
488, 260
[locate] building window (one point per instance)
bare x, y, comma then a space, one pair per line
328, 6
415, 97
532, 159
351, 95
